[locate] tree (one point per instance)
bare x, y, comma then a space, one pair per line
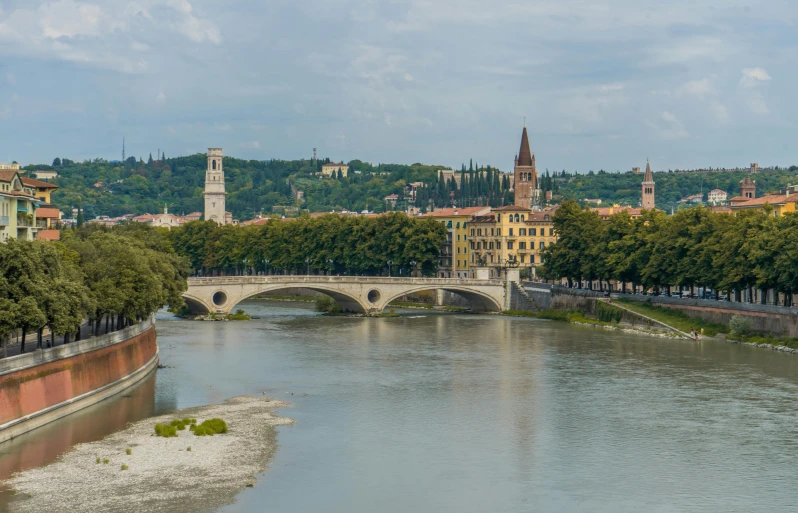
56, 162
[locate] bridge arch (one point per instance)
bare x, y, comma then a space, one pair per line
348, 302
479, 301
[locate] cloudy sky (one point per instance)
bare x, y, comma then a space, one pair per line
602, 83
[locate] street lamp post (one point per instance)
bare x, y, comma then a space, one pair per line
412, 267
266, 266
331, 262
390, 263
245, 263
307, 261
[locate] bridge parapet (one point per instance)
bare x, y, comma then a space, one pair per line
365, 294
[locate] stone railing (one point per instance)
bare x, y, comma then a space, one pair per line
244, 280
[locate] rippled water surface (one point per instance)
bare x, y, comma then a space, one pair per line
432, 413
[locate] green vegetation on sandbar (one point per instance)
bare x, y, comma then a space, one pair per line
674, 318
327, 305
389, 313
210, 427
165, 430
240, 315
410, 304
573, 315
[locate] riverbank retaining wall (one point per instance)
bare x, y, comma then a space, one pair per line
39, 387
767, 319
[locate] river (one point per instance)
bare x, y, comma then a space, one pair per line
435, 412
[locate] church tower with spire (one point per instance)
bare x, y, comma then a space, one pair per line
525, 176
648, 188
214, 188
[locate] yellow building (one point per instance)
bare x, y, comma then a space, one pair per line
17, 207
42, 190
455, 253
780, 203
331, 169
511, 236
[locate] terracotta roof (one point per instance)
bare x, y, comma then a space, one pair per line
48, 235
772, 199
6, 175
450, 212
608, 211
483, 219
524, 154
392, 196
48, 212
32, 182
334, 164
537, 217
511, 208
255, 222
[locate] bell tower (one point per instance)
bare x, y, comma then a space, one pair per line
214, 187
525, 176
648, 189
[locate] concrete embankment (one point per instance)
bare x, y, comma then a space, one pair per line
162, 474
40, 387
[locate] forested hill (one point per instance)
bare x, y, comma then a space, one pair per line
670, 187
114, 188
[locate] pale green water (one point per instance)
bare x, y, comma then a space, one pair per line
431, 413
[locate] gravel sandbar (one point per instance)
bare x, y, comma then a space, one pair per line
162, 474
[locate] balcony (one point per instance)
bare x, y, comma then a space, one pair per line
24, 223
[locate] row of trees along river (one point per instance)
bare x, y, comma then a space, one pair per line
346, 245
93, 274
694, 247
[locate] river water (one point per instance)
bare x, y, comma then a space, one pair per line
467, 413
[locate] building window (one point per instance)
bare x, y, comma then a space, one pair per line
213, 165
511, 232
509, 244
522, 258
458, 250
472, 232
498, 245
522, 218
491, 246
516, 218
498, 232
551, 232
491, 231
498, 218
542, 244
458, 225
522, 245
465, 224
522, 231
458, 237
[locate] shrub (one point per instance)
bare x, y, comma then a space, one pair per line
128, 451
124, 467
106, 461
98, 459
165, 430
608, 313
326, 304
189, 448
211, 427
740, 326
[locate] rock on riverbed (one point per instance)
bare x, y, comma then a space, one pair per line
162, 474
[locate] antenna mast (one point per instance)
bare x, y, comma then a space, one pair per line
123, 148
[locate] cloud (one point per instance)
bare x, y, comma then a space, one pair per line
699, 88
161, 98
98, 34
753, 76
668, 127
750, 84
252, 145
718, 110
223, 127
11, 79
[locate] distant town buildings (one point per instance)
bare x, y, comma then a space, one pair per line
45, 174
12, 167
717, 197
331, 169
18, 205
391, 199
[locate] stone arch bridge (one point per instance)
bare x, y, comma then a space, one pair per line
361, 294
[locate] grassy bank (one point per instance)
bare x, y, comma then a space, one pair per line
410, 304
576, 316
283, 298
675, 318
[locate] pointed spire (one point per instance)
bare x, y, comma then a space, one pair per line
649, 175
524, 154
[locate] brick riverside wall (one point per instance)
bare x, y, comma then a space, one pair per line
32, 388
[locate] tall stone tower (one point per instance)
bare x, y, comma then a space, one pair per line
525, 176
214, 187
748, 188
648, 188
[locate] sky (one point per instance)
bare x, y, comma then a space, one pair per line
601, 84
